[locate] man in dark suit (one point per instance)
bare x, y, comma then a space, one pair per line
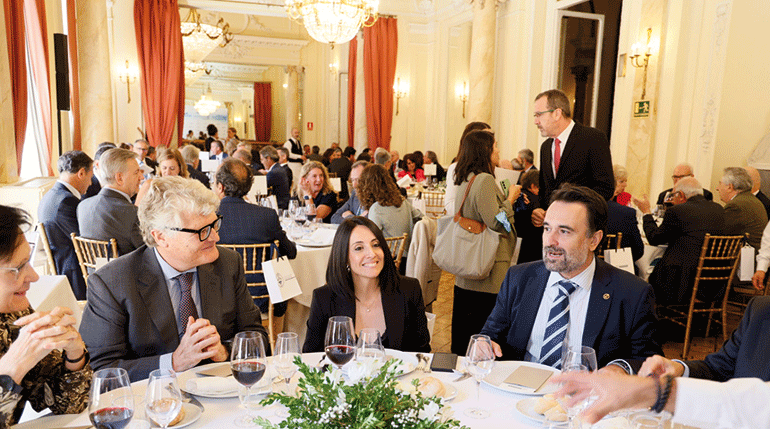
217, 152
352, 206
743, 212
756, 181
244, 223
277, 180
95, 186
191, 155
283, 161
623, 219
525, 162
605, 308
110, 214
171, 303
573, 153
680, 172
58, 214
684, 227
316, 154
341, 167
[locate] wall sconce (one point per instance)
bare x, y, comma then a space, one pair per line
334, 68
128, 77
641, 59
285, 85
462, 94
400, 90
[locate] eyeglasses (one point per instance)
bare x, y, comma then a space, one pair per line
675, 177
204, 232
537, 114
17, 270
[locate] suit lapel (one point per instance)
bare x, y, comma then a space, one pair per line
569, 146
598, 304
210, 298
548, 160
152, 288
392, 306
524, 319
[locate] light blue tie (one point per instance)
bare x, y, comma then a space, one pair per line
558, 319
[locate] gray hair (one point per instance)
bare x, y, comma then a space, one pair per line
269, 152
190, 154
738, 177
362, 163
381, 156
689, 187
527, 155
619, 172
556, 99
169, 197
113, 162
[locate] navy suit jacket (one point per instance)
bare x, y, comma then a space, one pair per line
623, 219
278, 184
93, 188
58, 214
620, 322
198, 175
352, 205
585, 161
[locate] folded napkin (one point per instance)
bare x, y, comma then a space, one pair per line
212, 385
322, 236
404, 181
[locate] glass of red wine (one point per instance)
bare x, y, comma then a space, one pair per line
248, 363
340, 343
111, 403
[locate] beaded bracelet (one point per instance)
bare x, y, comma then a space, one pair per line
663, 394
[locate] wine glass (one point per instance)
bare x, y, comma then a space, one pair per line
340, 345
248, 363
163, 400
369, 346
111, 403
286, 349
577, 358
300, 216
479, 360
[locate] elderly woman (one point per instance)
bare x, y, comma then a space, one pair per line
413, 168
621, 181
314, 182
362, 283
475, 299
42, 358
170, 163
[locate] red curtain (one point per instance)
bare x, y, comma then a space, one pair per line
158, 43
72, 42
352, 58
37, 35
263, 111
17, 57
380, 51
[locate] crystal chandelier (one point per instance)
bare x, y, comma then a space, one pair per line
200, 39
333, 21
207, 105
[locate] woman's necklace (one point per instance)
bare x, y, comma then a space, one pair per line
371, 304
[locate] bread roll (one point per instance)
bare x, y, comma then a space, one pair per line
556, 414
430, 386
179, 417
545, 403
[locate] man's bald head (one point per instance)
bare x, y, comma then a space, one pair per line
756, 180
681, 171
689, 187
235, 177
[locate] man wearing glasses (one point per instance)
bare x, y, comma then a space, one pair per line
174, 301
572, 153
680, 172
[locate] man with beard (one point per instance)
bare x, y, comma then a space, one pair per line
605, 308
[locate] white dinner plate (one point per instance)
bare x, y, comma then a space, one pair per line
526, 407
503, 369
192, 374
191, 415
450, 391
308, 243
408, 365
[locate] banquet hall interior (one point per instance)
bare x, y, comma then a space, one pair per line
668, 81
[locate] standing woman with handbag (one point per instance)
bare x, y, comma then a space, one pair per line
483, 202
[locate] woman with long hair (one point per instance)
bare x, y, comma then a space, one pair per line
314, 182
450, 193
413, 168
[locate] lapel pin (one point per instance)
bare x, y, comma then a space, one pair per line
606, 296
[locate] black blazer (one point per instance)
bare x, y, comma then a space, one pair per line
278, 185
620, 322
585, 161
198, 175
58, 214
765, 202
405, 321
623, 219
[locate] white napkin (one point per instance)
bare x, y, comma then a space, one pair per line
322, 236
404, 181
212, 385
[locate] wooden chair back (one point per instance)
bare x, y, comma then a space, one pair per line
434, 204
88, 250
396, 246
47, 249
610, 241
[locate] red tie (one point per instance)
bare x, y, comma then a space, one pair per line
556, 154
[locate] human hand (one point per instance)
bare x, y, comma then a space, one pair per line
758, 280
200, 341
496, 349
513, 193
538, 216
643, 204
657, 366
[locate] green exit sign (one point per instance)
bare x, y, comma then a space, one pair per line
641, 109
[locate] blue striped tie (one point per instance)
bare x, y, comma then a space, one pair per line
558, 318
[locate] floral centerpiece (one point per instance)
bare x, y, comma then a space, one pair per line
367, 397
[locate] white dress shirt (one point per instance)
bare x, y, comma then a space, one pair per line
763, 256
738, 403
563, 137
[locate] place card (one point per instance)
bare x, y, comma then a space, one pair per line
528, 377
429, 169
217, 371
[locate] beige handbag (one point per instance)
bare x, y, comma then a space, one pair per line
465, 247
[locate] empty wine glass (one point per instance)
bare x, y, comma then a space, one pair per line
340, 344
577, 358
370, 346
479, 360
248, 363
286, 349
111, 403
163, 400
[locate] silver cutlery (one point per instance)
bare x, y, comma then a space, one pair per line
463, 376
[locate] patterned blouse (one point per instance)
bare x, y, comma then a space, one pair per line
48, 385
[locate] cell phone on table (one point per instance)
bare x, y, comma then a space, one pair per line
445, 362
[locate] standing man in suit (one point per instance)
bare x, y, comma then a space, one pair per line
525, 162
277, 180
295, 147
58, 214
171, 303
572, 153
606, 308
756, 181
110, 213
743, 211
684, 227
244, 223
680, 172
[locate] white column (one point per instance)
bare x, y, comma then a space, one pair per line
361, 136
482, 63
292, 100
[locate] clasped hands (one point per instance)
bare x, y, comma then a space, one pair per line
200, 341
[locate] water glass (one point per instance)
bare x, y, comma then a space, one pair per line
370, 346
479, 360
286, 349
110, 403
163, 400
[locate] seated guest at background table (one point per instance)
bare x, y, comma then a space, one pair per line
171, 303
486, 203
524, 161
364, 156
431, 158
110, 213
95, 185
352, 206
245, 156
141, 148
314, 182
621, 182
306, 150
362, 283
623, 219
326, 158
413, 169
450, 193
388, 209
283, 161
58, 214
170, 163
244, 223
191, 155
531, 236
684, 227
341, 167
217, 151
606, 308
756, 182
43, 359
315, 155
277, 180
744, 213
681, 171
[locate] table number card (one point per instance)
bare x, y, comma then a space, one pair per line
429, 169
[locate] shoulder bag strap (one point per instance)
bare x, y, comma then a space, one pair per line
460, 210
